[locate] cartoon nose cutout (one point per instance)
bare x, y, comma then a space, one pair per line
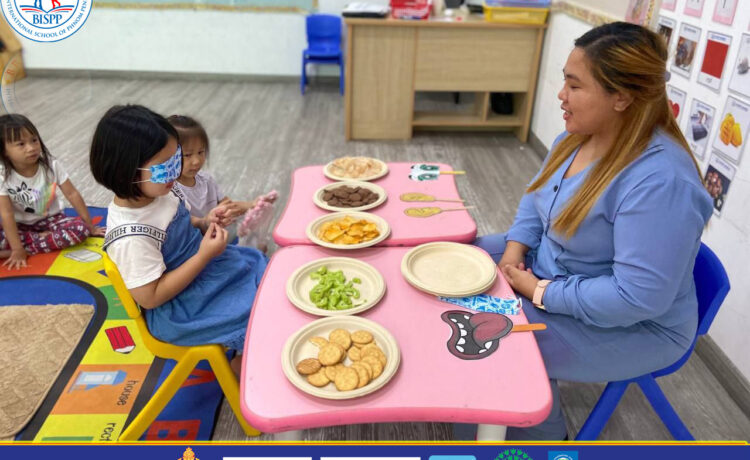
477, 335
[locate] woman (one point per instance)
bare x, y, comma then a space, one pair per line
605, 238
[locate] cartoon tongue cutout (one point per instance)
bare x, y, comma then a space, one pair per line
475, 336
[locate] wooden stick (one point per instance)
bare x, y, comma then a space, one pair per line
529, 327
450, 201
452, 172
457, 209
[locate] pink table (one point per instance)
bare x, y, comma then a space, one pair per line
509, 387
405, 231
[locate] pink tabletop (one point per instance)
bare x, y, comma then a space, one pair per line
509, 387
405, 231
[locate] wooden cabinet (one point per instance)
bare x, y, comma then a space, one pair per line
389, 60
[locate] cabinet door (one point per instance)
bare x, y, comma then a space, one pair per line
381, 79
466, 59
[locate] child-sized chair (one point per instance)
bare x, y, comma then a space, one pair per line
187, 358
712, 286
323, 46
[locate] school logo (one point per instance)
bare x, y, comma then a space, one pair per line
188, 455
562, 455
46, 20
513, 454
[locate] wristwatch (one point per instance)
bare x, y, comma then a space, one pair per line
539, 293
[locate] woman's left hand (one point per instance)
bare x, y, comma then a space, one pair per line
522, 281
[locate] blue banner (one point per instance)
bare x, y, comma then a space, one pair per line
379, 451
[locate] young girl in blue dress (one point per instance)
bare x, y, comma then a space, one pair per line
193, 287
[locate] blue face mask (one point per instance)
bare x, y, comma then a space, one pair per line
166, 172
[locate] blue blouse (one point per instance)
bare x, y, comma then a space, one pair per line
632, 258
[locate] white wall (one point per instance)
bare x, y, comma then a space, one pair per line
182, 41
729, 235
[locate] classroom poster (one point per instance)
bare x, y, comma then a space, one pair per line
740, 80
719, 176
637, 11
712, 68
687, 42
731, 135
666, 28
699, 125
724, 11
694, 8
676, 101
669, 5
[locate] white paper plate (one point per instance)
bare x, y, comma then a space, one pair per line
371, 289
330, 172
298, 347
449, 269
318, 195
383, 228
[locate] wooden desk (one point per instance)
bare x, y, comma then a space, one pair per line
389, 60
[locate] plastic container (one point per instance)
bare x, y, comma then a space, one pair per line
411, 9
534, 13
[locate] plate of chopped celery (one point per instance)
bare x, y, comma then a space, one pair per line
335, 286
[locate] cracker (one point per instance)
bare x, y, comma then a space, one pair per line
319, 342
376, 352
354, 354
346, 379
318, 379
342, 337
376, 365
362, 337
330, 354
362, 373
308, 366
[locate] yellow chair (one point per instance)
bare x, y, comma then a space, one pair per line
187, 358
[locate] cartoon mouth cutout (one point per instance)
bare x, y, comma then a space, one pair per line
477, 335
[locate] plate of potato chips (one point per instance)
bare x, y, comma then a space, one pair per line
348, 230
340, 357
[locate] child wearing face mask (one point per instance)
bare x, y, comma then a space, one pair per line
193, 287
198, 187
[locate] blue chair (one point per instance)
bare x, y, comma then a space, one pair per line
712, 286
323, 46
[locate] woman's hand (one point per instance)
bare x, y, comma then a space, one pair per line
522, 281
97, 231
214, 241
513, 261
17, 259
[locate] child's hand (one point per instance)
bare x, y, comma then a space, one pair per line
17, 259
214, 241
97, 231
220, 215
234, 209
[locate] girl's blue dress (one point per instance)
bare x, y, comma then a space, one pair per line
215, 306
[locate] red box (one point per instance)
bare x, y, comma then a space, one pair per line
411, 9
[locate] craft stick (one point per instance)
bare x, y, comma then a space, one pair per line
529, 327
451, 201
458, 209
452, 172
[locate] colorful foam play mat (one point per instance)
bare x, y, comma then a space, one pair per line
108, 375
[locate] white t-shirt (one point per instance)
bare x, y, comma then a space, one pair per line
34, 198
203, 196
134, 238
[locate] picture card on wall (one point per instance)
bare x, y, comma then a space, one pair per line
666, 28
719, 176
687, 44
724, 11
698, 127
668, 5
740, 81
731, 135
712, 68
694, 7
637, 11
676, 101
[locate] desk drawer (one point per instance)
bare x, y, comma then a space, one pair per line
452, 59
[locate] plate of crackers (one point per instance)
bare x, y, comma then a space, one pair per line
348, 230
360, 277
349, 196
340, 357
355, 168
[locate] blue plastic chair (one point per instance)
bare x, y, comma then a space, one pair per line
323, 46
712, 286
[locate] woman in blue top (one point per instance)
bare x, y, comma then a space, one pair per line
605, 238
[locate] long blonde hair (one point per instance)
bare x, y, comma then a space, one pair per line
625, 58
